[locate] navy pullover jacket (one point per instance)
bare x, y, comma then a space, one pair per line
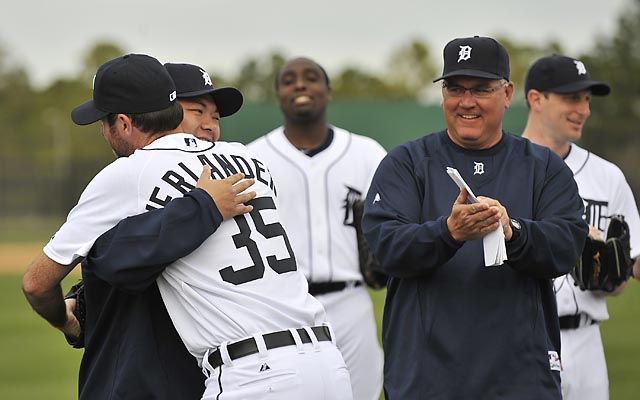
453, 328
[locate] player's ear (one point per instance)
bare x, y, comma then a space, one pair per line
509, 94
533, 98
125, 122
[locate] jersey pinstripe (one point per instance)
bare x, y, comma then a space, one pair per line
241, 281
316, 193
604, 191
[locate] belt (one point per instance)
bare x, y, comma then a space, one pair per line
272, 340
316, 288
576, 321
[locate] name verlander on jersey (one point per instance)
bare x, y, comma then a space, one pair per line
183, 179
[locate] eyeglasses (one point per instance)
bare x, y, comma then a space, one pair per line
479, 92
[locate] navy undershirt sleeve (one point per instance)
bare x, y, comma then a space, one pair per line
131, 255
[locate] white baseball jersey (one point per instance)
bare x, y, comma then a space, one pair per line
316, 193
604, 191
241, 281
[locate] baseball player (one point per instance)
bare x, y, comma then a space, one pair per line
238, 302
320, 171
129, 258
558, 90
193, 88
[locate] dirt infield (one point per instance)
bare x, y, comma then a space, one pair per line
15, 257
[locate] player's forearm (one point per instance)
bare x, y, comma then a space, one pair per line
41, 287
410, 250
551, 249
131, 255
49, 304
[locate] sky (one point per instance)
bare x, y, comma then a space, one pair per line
51, 38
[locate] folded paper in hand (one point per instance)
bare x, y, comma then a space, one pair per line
495, 252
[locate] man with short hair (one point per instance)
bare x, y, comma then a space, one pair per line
322, 171
455, 324
231, 298
558, 91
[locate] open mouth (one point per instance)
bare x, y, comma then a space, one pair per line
302, 100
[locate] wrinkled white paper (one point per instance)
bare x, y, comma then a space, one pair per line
495, 251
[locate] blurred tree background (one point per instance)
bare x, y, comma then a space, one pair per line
46, 160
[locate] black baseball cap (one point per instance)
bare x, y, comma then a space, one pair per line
561, 74
130, 84
192, 81
480, 57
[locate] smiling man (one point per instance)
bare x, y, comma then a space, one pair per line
454, 328
558, 92
321, 172
203, 105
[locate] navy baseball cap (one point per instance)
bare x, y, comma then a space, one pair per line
561, 74
130, 84
192, 81
480, 57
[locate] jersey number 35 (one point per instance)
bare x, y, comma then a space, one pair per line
243, 239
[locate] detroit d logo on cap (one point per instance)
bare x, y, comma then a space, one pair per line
465, 53
582, 70
207, 78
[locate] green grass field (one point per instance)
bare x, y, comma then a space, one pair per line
36, 362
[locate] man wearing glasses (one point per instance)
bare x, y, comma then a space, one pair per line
453, 326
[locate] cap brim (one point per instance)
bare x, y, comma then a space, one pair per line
597, 88
228, 99
470, 72
87, 113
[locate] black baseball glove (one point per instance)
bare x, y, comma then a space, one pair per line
605, 265
372, 274
77, 292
